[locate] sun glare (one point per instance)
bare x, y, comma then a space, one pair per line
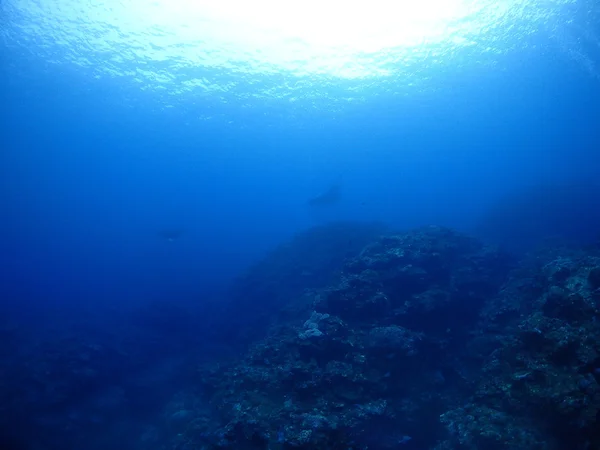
356, 26
311, 36
345, 39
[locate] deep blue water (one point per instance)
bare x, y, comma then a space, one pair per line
114, 128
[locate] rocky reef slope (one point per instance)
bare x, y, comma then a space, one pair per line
346, 337
427, 339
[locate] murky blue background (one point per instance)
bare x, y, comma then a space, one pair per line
120, 120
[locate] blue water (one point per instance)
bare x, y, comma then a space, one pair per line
119, 120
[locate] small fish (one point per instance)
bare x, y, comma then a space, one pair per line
170, 235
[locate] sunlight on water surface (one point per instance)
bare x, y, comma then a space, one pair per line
276, 47
333, 37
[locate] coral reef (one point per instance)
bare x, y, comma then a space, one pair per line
282, 285
347, 337
377, 361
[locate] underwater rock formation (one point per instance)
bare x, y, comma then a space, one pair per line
377, 361
539, 347
346, 337
428, 340
283, 283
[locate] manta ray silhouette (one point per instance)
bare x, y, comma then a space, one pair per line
326, 198
170, 235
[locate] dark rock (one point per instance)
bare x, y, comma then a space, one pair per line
594, 278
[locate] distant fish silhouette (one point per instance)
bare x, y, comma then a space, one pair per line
327, 198
170, 235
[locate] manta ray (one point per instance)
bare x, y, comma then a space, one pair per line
327, 198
